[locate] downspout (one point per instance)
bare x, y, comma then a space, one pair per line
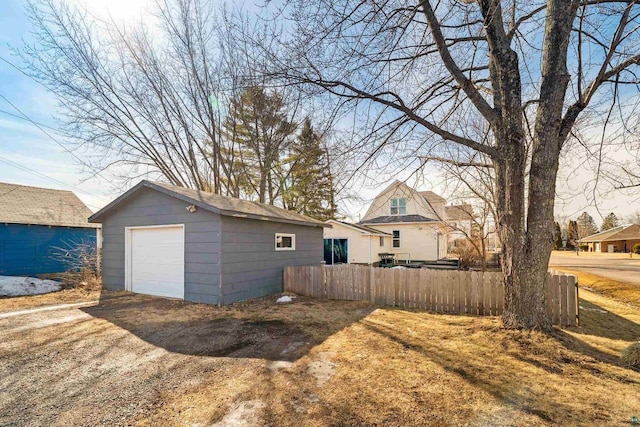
220, 294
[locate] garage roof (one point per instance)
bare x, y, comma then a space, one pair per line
222, 205
22, 204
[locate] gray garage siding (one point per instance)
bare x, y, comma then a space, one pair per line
251, 267
202, 241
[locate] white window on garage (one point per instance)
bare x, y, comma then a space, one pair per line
285, 242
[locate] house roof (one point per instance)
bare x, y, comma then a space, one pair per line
458, 212
22, 204
362, 228
395, 219
623, 232
222, 205
432, 197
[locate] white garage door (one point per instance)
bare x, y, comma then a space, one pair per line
156, 261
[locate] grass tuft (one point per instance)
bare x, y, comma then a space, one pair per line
631, 356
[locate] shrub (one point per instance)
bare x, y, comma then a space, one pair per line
631, 355
636, 248
81, 264
584, 248
467, 253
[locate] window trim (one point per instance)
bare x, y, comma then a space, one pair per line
382, 241
398, 206
394, 239
293, 241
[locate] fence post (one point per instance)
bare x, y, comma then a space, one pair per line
372, 285
323, 267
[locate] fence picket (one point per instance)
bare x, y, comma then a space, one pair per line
480, 293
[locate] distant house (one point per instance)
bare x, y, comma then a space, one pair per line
415, 221
618, 239
36, 224
459, 218
346, 243
164, 240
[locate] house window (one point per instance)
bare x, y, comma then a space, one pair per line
285, 242
381, 241
399, 206
396, 238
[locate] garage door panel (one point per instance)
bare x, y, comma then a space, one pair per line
157, 261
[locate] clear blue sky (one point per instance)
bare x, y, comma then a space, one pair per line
28, 156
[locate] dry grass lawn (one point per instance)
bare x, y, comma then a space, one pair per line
621, 291
315, 363
399, 368
65, 296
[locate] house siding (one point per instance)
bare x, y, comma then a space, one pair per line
32, 249
418, 242
251, 267
202, 241
363, 248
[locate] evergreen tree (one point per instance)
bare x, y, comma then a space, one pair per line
309, 182
586, 225
557, 236
610, 221
258, 132
572, 234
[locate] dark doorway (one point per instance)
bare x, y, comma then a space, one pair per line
336, 251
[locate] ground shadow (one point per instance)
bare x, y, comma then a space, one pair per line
595, 320
598, 322
253, 329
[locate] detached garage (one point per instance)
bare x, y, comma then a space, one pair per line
170, 241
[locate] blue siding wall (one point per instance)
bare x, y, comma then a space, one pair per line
29, 249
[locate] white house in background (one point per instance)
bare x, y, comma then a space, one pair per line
459, 218
353, 243
415, 221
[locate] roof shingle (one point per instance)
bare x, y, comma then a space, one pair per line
222, 205
21, 204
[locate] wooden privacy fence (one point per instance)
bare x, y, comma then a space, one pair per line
442, 291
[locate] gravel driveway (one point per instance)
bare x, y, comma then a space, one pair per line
112, 363
614, 266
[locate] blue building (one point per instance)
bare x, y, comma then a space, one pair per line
36, 225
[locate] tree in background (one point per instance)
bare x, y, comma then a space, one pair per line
260, 131
610, 221
308, 183
634, 218
586, 225
572, 234
557, 236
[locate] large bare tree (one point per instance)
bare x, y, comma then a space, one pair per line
429, 71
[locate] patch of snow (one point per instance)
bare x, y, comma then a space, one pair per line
322, 369
284, 299
244, 414
275, 365
399, 267
13, 286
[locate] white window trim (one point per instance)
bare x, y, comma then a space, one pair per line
398, 206
127, 248
293, 241
399, 239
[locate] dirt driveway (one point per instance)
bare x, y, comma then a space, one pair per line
136, 360
112, 363
613, 266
